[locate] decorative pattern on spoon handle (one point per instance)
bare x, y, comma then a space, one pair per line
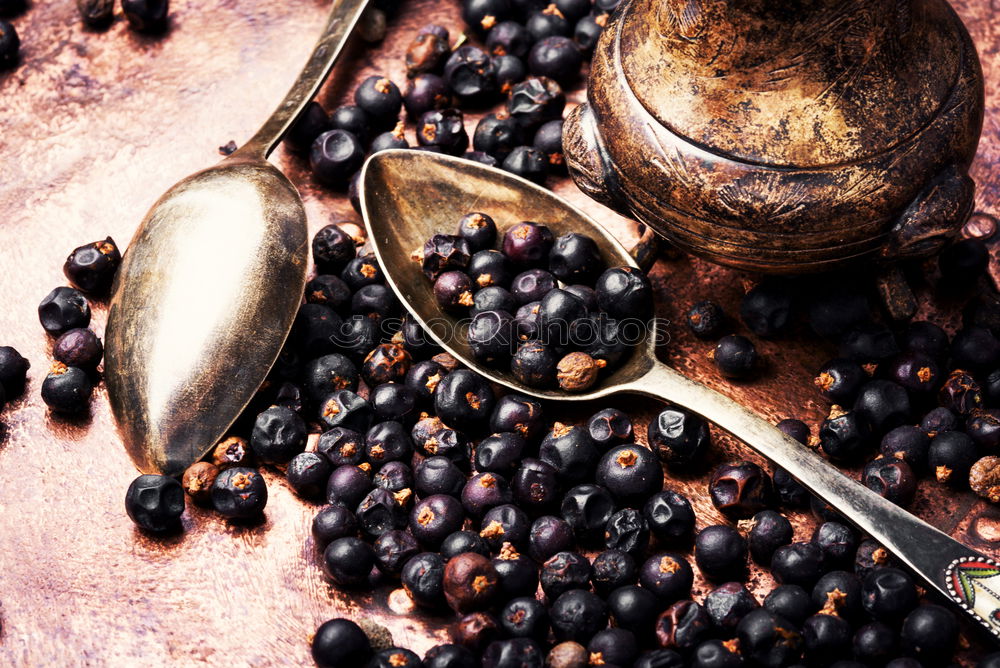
959, 573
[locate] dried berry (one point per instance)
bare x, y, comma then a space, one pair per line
64, 309
92, 267
740, 489
470, 582
155, 502
984, 478
239, 493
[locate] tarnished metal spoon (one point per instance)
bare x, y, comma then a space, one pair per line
209, 287
407, 196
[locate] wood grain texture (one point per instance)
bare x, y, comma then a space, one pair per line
93, 127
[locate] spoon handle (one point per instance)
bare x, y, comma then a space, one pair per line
968, 578
343, 17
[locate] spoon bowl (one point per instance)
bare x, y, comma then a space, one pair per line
407, 196
232, 310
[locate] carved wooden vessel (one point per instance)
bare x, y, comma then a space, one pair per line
784, 136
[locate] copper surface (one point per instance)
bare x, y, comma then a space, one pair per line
93, 127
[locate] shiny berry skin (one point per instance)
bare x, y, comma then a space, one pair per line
577, 615
432, 437
381, 511
534, 364
840, 380
769, 531
951, 455
470, 582
716, 654
311, 123
499, 453
528, 244
388, 442
393, 549
884, 404
342, 446
146, 15
479, 230
395, 657
520, 414
960, 393
513, 653
67, 389
790, 491
630, 472
334, 156
888, 594
706, 319
588, 30
422, 579
518, 573
328, 290
386, 363
525, 617
768, 640
907, 443
916, 372
549, 535
380, 99
569, 449
535, 101
79, 348
489, 267
340, 643
438, 475
838, 542
729, 603
348, 484
92, 267
344, 408
930, 633
155, 502
612, 569
10, 44
508, 38
791, 602
609, 427
890, 478
348, 561
527, 325
64, 309
239, 493
627, 531
798, 563
740, 489
796, 429
667, 575
615, 646
333, 522
624, 292
278, 435
444, 129
13, 370
425, 92
736, 357
470, 73
450, 656
505, 524
826, 637
720, 552
422, 380
497, 135
874, 643
548, 140
484, 491
491, 334
678, 436
682, 626
391, 139
464, 400
546, 23
575, 258
555, 57
670, 517
634, 607
766, 308
838, 592
564, 571
845, 435
535, 485
352, 119
308, 473
427, 52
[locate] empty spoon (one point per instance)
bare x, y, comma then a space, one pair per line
209, 288
408, 196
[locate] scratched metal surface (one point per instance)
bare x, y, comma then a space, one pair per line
93, 127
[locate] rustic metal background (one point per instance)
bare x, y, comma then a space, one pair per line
93, 127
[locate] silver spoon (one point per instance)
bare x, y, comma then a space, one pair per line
210, 286
407, 196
